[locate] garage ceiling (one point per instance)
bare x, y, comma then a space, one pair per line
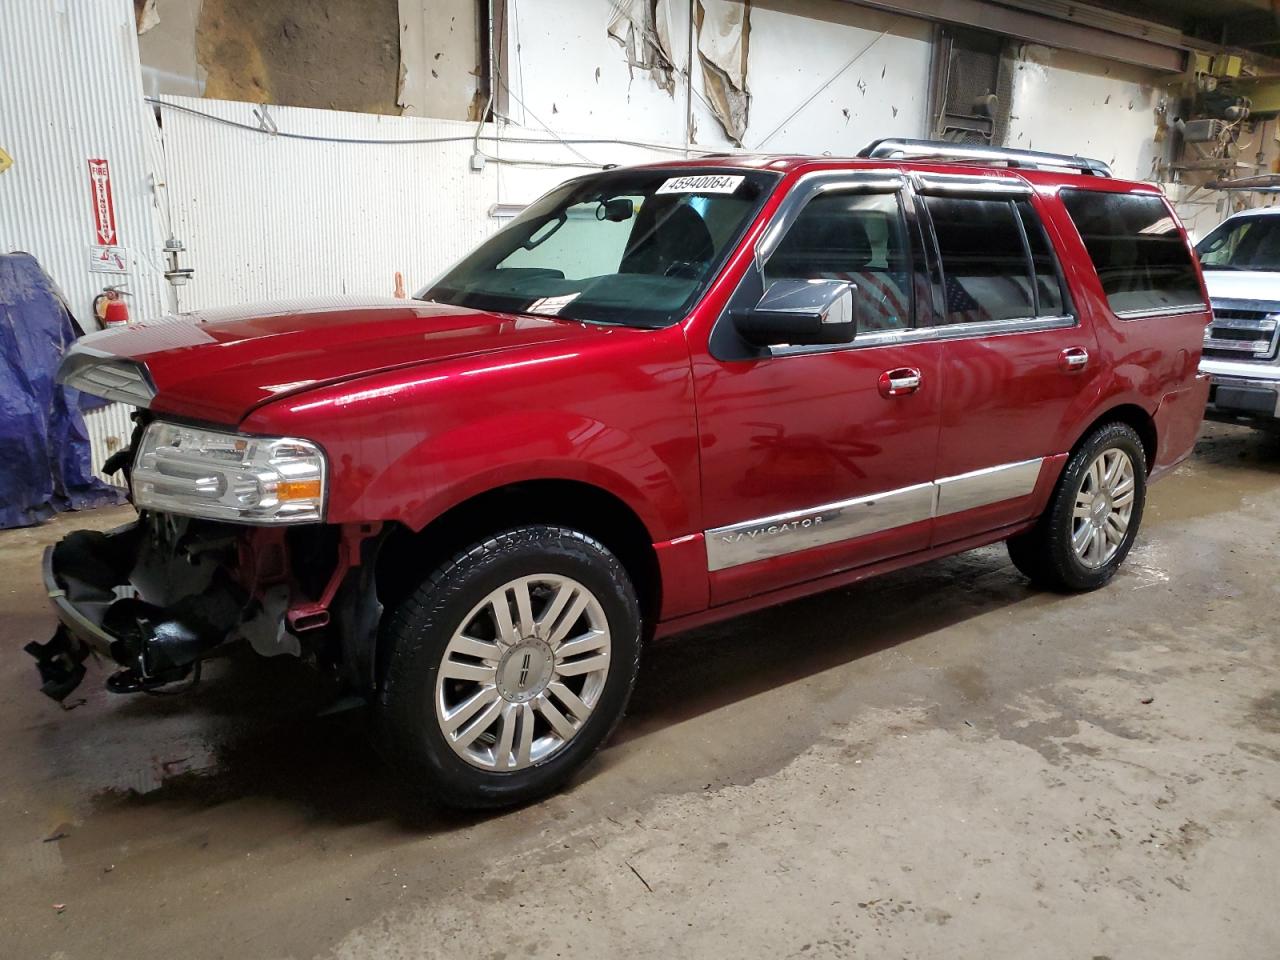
1150, 33
1248, 24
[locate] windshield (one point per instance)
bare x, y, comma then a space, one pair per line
633, 247
1242, 243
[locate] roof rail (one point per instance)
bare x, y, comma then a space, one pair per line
893, 148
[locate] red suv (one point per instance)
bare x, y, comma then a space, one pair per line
661, 396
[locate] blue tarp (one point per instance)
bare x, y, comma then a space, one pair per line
44, 448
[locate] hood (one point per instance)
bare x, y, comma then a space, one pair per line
1242, 285
219, 365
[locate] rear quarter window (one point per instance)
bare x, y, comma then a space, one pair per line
1141, 257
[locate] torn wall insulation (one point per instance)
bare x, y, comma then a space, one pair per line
724, 28
644, 30
146, 15
440, 59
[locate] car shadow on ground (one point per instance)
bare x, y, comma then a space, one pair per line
267, 741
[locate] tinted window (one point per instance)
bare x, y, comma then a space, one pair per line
984, 260
855, 237
1244, 243
1140, 256
1049, 299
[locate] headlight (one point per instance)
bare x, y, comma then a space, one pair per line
228, 476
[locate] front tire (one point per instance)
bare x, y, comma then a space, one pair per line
509, 667
1093, 517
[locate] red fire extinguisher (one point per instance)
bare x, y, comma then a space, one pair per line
109, 306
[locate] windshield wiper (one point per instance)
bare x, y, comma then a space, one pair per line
593, 322
634, 324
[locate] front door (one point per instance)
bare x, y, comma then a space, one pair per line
820, 459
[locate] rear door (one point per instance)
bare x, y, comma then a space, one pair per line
1018, 361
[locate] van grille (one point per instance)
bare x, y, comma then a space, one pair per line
1240, 332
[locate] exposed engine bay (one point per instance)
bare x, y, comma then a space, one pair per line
159, 596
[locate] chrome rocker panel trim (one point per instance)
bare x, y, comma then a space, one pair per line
990, 485
784, 533
831, 523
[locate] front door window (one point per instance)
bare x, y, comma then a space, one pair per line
858, 237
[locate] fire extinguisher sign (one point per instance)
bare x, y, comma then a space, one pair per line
104, 210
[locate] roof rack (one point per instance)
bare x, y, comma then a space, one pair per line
906, 149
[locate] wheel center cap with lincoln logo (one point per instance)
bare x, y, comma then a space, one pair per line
525, 670
1101, 507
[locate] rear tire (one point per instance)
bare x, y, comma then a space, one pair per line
1093, 516
508, 667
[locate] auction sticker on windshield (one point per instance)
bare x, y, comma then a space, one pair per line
703, 183
551, 305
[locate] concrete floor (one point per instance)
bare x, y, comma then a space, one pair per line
940, 763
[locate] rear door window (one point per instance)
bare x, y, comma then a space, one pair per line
1140, 255
985, 262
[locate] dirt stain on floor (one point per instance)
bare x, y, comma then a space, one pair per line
1265, 712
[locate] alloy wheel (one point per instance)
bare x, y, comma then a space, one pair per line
523, 672
1103, 508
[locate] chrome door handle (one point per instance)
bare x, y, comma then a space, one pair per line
1073, 359
900, 382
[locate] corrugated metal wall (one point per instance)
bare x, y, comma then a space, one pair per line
72, 91
109, 430
266, 217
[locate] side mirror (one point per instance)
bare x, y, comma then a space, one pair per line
801, 312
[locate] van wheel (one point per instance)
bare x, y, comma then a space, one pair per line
1092, 519
508, 667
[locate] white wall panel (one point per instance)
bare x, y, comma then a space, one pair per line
439, 51
1071, 103
798, 48
565, 71
72, 91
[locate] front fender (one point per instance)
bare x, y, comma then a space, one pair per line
447, 468
406, 446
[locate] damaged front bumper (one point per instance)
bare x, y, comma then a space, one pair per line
61, 660
79, 625
159, 596
126, 597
